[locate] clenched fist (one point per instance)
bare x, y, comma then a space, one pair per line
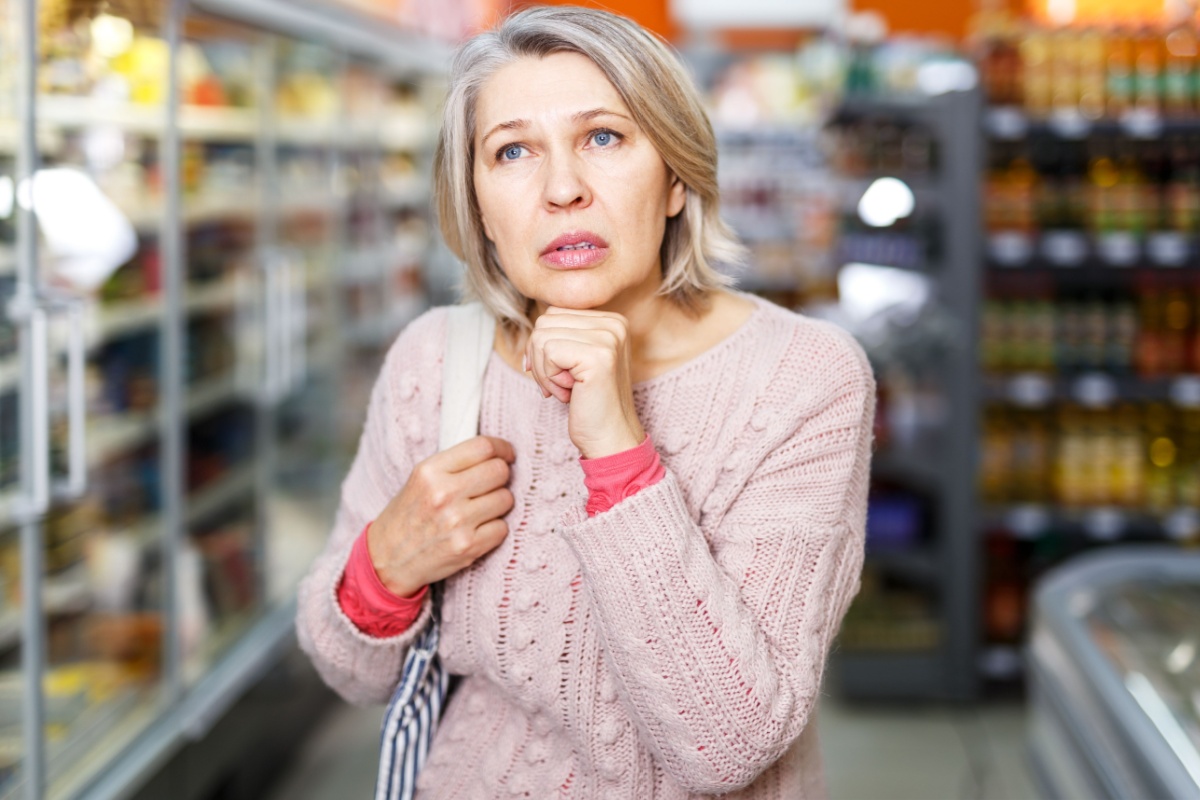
582, 358
449, 513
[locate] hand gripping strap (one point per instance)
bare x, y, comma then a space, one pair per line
413, 714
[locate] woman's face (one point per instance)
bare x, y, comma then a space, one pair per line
573, 194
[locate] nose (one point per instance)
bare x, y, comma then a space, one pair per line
565, 186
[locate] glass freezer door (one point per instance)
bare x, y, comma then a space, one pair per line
303, 336
224, 72
100, 90
14, 360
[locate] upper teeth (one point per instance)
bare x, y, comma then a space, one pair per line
580, 246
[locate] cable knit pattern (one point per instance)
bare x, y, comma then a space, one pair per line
670, 647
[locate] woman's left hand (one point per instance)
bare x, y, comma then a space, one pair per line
582, 358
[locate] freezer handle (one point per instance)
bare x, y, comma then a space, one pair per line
76, 481
26, 310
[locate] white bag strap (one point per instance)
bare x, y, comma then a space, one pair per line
470, 334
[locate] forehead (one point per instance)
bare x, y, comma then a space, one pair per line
543, 89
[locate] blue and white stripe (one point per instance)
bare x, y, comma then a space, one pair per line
411, 718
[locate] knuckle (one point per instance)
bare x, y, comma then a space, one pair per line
439, 498
460, 545
452, 518
485, 447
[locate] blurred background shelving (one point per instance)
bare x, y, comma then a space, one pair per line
236, 197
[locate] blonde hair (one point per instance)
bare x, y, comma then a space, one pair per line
664, 102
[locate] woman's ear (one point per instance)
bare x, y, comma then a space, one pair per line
676, 196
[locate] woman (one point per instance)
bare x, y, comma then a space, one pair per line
627, 625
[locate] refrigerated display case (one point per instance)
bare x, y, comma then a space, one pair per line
176, 222
1115, 701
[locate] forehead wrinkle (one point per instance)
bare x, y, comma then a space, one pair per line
510, 125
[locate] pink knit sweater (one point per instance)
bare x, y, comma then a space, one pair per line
669, 647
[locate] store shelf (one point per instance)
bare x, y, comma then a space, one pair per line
918, 564
195, 122
1098, 523
118, 319
887, 107
111, 435
380, 330
236, 484
1009, 123
417, 193
66, 593
1064, 251
919, 468
215, 691
1094, 389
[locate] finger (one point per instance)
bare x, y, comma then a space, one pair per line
583, 312
490, 506
554, 378
492, 533
616, 326
484, 477
605, 333
474, 451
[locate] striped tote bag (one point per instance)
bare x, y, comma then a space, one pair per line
416, 706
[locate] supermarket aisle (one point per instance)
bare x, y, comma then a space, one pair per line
928, 753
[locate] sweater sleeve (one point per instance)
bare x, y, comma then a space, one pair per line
367, 602
611, 479
400, 430
719, 648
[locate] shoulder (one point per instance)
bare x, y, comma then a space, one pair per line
813, 362
412, 365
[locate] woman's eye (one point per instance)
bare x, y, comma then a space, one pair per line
604, 138
512, 152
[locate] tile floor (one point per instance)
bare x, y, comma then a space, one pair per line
871, 753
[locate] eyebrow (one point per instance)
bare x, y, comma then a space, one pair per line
579, 116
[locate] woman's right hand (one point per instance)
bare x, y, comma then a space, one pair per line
449, 513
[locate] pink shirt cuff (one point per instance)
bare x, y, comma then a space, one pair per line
367, 602
611, 479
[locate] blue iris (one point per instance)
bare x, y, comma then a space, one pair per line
602, 138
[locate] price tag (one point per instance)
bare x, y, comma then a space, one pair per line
1183, 523
1142, 124
1006, 122
1185, 391
1030, 390
1096, 390
1028, 522
1118, 249
1070, 124
1104, 524
1064, 248
1010, 248
1168, 249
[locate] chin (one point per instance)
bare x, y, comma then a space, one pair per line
580, 291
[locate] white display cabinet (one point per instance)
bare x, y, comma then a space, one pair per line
214, 217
